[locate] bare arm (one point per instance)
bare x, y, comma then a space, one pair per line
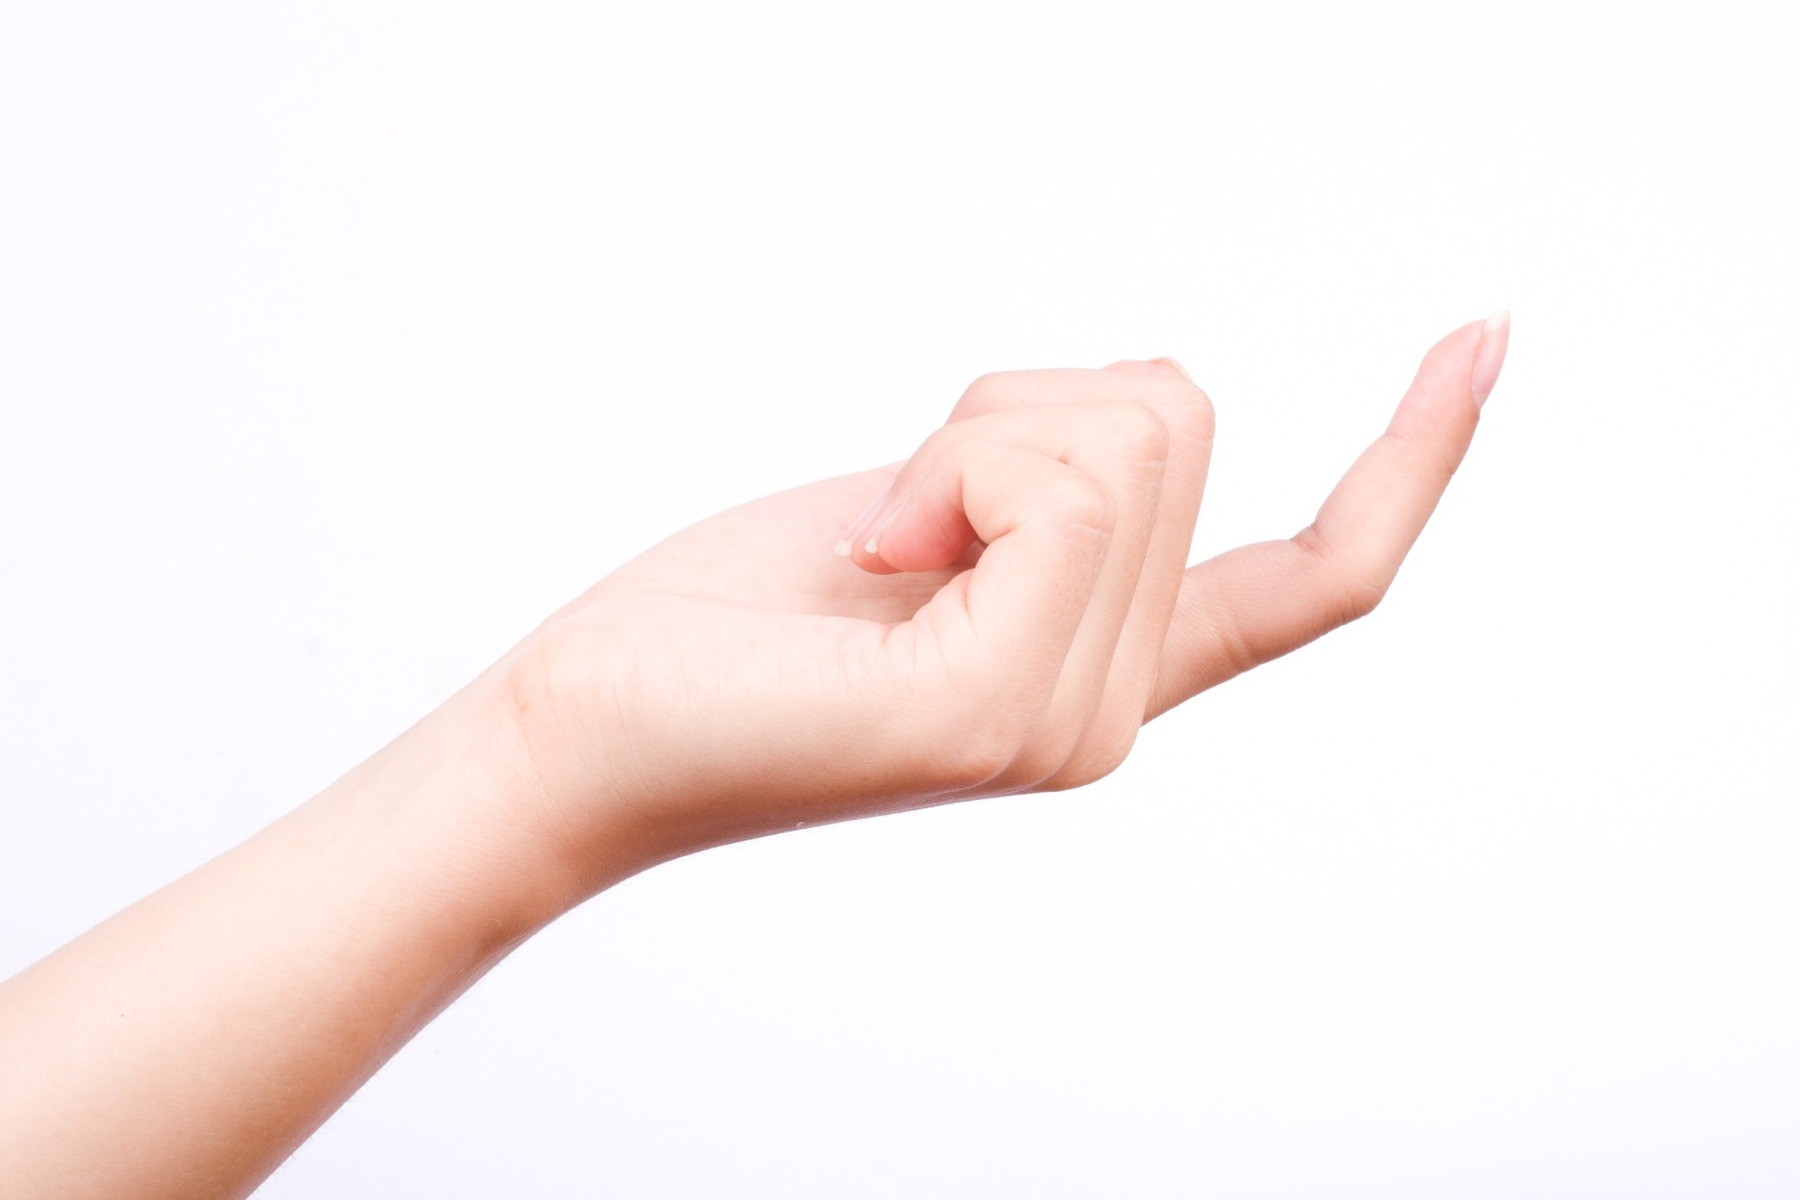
187, 1045
1014, 605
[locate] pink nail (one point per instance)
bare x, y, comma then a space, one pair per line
880, 528
848, 542
1489, 354
1180, 370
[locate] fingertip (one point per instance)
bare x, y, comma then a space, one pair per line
1490, 355
1170, 364
920, 533
1456, 348
1446, 379
871, 557
874, 564
878, 512
1162, 365
866, 556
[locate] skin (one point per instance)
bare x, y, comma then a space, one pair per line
1012, 607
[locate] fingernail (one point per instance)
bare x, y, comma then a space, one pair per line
1489, 354
847, 543
881, 528
1179, 369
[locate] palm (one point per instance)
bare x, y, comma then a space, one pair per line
774, 556
745, 622
741, 676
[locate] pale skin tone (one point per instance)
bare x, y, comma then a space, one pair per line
1005, 620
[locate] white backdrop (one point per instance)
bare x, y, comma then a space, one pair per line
339, 343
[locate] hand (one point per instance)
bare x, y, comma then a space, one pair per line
1012, 606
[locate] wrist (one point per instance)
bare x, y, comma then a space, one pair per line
462, 810
548, 816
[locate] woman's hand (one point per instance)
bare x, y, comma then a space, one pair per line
1009, 609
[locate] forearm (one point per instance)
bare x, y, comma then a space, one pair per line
1016, 600
187, 1045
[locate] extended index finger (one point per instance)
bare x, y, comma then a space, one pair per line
1258, 602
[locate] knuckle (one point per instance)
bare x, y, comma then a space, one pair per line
1240, 654
1046, 755
1139, 432
987, 393
1449, 460
1099, 757
1361, 594
1358, 588
1199, 407
1036, 764
1356, 583
1078, 500
973, 760
937, 443
1187, 409
982, 743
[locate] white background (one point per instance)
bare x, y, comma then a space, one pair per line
341, 343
